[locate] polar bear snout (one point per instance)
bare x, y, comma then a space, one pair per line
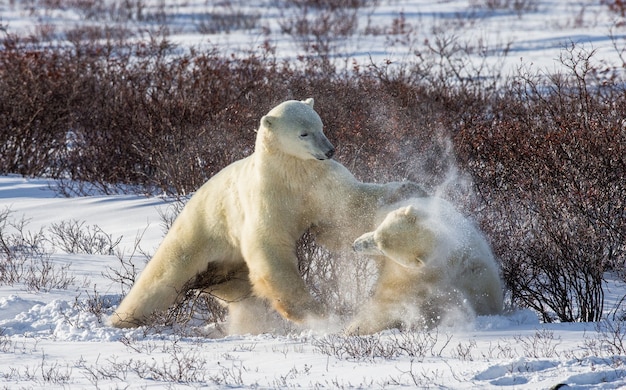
327, 149
324, 155
316, 144
366, 245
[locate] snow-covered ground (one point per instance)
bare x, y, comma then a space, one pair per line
500, 34
58, 339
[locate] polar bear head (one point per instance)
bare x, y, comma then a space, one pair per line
404, 236
294, 128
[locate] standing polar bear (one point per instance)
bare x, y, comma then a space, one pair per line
436, 265
236, 237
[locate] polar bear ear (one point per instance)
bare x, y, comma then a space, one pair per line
410, 210
309, 102
267, 121
411, 213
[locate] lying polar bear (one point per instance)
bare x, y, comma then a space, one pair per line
436, 264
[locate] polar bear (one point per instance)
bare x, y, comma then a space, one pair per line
436, 266
236, 237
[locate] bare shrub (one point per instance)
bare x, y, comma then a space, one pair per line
124, 115
34, 93
341, 282
226, 17
617, 6
43, 275
95, 303
54, 373
463, 351
607, 342
179, 366
73, 236
332, 4
519, 6
24, 260
112, 369
195, 311
542, 344
169, 214
358, 348
6, 344
194, 308
548, 160
416, 344
164, 123
110, 11
168, 362
126, 273
319, 32
612, 337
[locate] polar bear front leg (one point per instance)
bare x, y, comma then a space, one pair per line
274, 276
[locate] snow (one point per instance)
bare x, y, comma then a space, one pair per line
56, 339
535, 35
59, 339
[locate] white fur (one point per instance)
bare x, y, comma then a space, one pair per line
236, 236
435, 266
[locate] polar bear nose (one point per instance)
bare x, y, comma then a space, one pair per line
330, 153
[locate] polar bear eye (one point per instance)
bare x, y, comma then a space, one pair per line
304, 135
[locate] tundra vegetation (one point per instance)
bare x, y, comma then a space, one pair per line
535, 157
